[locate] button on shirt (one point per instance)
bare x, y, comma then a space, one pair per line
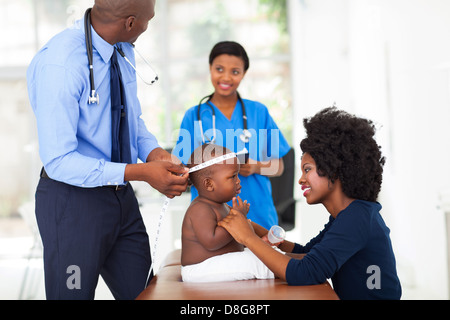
74, 136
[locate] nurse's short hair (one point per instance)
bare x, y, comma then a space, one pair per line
231, 48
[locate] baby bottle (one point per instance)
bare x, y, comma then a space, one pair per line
276, 234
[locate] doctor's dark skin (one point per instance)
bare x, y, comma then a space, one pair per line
125, 21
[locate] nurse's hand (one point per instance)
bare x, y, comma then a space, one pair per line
248, 169
272, 168
238, 226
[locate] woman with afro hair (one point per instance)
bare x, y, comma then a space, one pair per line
342, 168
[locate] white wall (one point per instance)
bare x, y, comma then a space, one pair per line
387, 60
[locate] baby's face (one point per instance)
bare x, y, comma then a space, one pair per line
226, 181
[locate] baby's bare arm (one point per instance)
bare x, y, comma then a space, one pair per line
204, 221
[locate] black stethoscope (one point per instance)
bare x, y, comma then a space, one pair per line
246, 134
94, 97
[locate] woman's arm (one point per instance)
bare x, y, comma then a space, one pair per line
262, 232
241, 230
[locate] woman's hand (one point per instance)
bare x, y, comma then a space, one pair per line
242, 231
238, 226
265, 238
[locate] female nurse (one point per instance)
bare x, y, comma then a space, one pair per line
236, 123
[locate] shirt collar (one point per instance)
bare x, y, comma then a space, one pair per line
104, 49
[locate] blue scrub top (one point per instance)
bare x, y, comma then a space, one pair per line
267, 142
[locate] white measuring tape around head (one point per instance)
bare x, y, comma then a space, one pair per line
167, 199
217, 160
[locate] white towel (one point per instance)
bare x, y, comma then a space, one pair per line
227, 267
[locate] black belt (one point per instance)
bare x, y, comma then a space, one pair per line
116, 187
44, 174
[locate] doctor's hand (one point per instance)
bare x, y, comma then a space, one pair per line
159, 154
167, 177
238, 226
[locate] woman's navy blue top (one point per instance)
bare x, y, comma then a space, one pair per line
355, 251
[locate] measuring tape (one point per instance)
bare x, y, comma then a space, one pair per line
167, 199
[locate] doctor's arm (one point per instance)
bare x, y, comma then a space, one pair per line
161, 170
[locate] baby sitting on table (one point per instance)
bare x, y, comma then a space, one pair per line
209, 253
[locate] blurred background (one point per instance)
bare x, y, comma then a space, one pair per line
387, 60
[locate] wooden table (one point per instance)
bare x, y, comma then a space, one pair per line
167, 285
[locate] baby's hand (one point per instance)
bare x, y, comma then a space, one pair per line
241, 206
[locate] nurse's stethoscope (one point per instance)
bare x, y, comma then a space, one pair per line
246, 134
94, 97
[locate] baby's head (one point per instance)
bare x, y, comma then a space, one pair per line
219, 181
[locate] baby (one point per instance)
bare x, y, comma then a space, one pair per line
209, 252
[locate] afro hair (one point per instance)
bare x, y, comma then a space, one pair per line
343, 147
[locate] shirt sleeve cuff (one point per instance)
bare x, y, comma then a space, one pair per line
114, 173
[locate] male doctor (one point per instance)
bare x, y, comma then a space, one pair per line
87, 212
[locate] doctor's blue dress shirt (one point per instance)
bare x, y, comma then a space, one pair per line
74, 136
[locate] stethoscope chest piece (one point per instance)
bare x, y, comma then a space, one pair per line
94, 98
245, 136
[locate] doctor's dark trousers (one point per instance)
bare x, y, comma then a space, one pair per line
87, 232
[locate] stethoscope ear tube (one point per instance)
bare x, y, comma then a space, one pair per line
93, 97
245, 136
213, 138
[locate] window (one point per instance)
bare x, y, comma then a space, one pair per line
177, 44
